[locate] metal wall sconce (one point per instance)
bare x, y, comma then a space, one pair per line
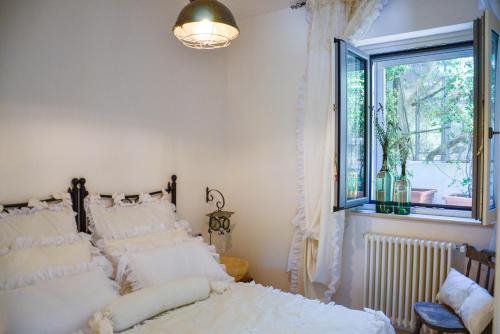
219, 220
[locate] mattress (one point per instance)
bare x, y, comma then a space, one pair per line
252, 308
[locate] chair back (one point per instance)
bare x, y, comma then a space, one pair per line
486, 258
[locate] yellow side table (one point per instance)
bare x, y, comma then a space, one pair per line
237, 268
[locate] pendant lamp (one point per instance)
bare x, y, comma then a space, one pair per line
206, 24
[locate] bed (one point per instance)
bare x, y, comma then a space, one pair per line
134, 268
253, 308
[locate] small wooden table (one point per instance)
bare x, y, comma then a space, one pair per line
237, 268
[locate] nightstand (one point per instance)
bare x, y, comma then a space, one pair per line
237, 268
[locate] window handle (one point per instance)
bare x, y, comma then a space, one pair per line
491, 132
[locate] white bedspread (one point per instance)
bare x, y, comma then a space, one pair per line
251, 308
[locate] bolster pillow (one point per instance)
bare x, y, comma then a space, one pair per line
129, 310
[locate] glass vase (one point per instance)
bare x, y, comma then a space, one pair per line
384, 184
402, 194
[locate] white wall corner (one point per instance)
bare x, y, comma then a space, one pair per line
417, 39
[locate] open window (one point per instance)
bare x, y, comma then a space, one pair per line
352, 96
486, 44
443, 98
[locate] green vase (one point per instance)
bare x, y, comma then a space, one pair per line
402, 193
384, 184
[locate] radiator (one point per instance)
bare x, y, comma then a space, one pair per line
400, 271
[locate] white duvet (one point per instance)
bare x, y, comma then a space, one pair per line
251, 308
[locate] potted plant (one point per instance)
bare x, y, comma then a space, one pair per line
386, 133
423, 195
464, 198
462, 179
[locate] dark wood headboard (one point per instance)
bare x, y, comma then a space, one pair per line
78, 193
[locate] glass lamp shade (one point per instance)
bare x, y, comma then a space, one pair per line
206, 24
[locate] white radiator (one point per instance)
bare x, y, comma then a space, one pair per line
400, 271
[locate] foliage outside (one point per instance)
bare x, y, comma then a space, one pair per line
427, 118
432, 103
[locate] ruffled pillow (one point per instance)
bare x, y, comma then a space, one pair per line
60, 305
147, 241
41, 220
117, 221
168, 263
27, 262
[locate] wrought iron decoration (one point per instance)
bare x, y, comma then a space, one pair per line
298, 4
219, 220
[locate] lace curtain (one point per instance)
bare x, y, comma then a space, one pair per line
316, 250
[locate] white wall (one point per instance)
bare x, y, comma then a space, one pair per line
402, 16
265, 66
264, 70
103, 90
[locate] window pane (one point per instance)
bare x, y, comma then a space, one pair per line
493, 118
431, 97
356, 116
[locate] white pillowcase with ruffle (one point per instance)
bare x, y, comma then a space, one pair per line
55, 220
58, 306
122, 220
129, 310
153, 240
18, 264
167, 263
115, 248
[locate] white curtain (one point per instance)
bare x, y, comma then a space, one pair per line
316, 250
493, 5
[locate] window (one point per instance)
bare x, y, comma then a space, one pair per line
443, 100
429, 94
353, 117
486, 30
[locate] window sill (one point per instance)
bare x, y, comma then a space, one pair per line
417, 217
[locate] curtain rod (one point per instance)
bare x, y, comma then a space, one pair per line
298, 4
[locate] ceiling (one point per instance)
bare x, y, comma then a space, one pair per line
248, 8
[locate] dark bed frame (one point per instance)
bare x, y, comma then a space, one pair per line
78, 193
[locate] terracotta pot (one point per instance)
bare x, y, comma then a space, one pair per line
422, 195
458, 200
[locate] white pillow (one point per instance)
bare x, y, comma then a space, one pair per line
477, 310
129, 310
168, 263
62, 305
113, 249
153, 240
455, 289
26, 262
32, 223
114, 222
